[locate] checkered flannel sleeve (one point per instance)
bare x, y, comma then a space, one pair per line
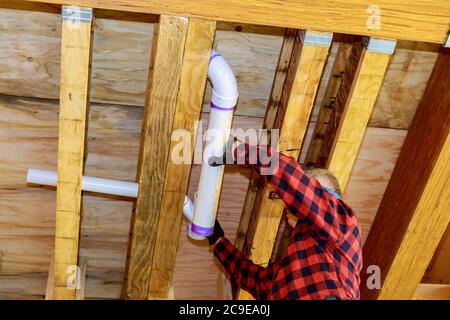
305, 197
255, 279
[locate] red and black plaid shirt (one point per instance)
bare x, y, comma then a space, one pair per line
323, 258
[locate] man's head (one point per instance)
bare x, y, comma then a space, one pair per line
326, 179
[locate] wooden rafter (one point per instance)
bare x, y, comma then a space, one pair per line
407, 20
76, 48
197, 51
439, 269
269, 121
431, 291
358, 97
99, 13
338, 89
78, 278
299, 91
413, 213
168, 48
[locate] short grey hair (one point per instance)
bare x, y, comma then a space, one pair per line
325, 177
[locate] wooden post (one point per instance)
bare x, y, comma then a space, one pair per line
414, 211
305, 70
165, 75
76, 51
194, 71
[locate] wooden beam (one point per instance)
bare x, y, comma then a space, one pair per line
269, 121
336, 94
30, 6
194, 71
224, 290
439, 269
81, 279
413, 213
99, 13
429, 291
302, 81
160, 106
76, 48
359, 98
50, 280
280, 77
330, 115
411, 20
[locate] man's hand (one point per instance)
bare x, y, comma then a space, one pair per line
220, 161
217, 234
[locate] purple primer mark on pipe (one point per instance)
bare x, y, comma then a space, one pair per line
214, 56
213, 106
201, 231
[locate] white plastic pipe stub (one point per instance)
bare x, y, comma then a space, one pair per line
188, 211
100, 185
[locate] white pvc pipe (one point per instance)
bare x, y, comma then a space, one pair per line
223, 100
188, 211
100, 185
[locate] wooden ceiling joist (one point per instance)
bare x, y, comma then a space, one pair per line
355, 103
99, 13
77, 278
269, 121
76, 48
200, 36
431, 291
414, 212
299, 91
414, 207
338, 88
411, 20
165, 71
439, 269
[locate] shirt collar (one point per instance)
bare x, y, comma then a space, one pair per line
333, 193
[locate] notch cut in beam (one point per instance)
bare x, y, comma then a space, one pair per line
76, 48
412, 20
414, 211
299, 91
165, 74
199, 41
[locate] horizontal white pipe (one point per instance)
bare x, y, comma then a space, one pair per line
223, 100
100, 185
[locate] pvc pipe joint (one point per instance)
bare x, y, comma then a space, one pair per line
223, 101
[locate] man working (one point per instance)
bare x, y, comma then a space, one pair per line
323, 258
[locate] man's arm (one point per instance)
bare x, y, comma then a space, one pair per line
244, 273
303, 196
